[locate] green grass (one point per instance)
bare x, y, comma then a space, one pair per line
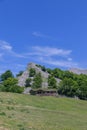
24, 112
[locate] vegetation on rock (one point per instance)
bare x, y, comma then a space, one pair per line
37, 81
70, 84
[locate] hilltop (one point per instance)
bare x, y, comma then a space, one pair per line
38, 69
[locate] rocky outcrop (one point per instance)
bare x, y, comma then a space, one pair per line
25, 75
22, 78
78, 71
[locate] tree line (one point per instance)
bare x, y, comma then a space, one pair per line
71, 85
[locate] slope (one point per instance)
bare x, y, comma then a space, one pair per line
24, 112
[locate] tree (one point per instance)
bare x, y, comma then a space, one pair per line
58, 73
43, 68
32, 72
49, 70
10, 85
28, 82
68, 87
52, 83
6, 75
68, 74
20, 73
10, 82
37, 81
82, 90
16, 89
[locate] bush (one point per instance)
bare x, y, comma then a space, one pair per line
10, 85
32, 72
20, 73
52, 83
16, 89
28, 82
68, 87
6, 75
37, 81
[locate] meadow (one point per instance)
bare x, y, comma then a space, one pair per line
26, 112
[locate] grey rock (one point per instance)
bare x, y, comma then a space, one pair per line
25, 75
27, 90
78, 71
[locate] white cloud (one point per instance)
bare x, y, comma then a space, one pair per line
44, 54
5, 46
38, 34
48, 51
52, 56
58, 63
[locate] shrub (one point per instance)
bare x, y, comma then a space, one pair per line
28, 82
32, 72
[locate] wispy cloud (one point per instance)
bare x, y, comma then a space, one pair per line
52, 56
38, 34
6, 48
41, 35
49, 55
48, 51
58, 63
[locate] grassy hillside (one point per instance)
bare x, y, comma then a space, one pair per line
24, 112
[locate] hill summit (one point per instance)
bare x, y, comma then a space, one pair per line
38, 69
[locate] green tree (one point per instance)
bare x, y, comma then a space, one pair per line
49, 70
68, 74
10, 82
6, 75
28, 82
20, 73
82, 89
58, 73
32, 72
37, 81
43, 68
68, 87
52, 83
10, 85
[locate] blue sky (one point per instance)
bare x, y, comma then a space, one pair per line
48, 32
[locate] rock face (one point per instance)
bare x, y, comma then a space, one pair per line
25, 75
22, 78
38, 70
78, 71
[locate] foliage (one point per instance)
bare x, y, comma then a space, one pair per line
49, 70
68, 87
6, 75
42, 67
2, 88
52, 83
16, 89
37, 81
82, 89
32, 72
57, 73
20, 73
28, 82
10, 85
